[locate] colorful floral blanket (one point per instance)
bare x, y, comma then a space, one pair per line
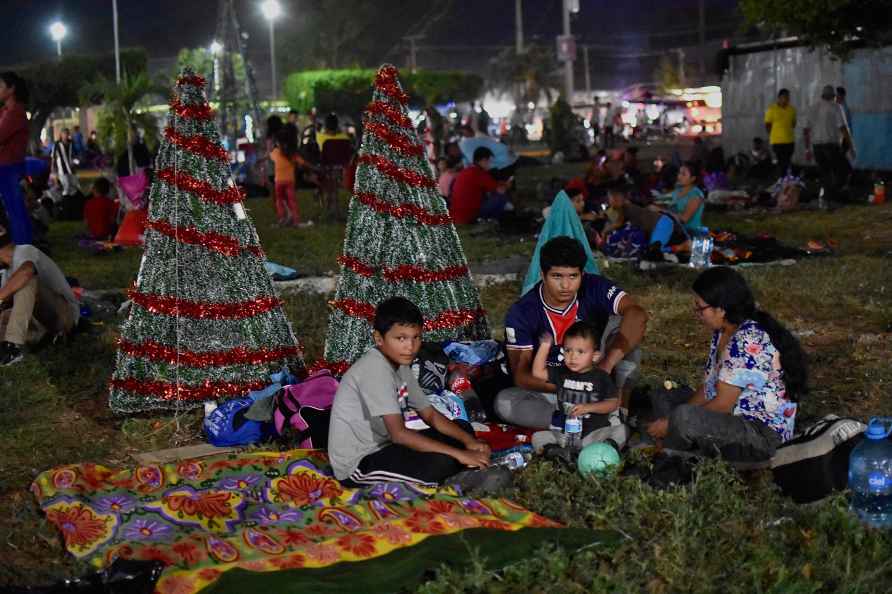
258, 511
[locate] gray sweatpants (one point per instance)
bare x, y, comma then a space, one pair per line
732, 437
527, 408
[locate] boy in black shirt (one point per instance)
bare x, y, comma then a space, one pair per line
583, 389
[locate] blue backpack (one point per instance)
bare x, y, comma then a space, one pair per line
227, 425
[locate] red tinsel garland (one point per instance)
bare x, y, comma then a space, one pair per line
172, 306
337, 368
402, 174
224, 244
192, 79
451, 318
171, 391
198, 145
356, 265
390, 112
385, 81
422, 275
155, 351
202, 111
397, 142
402, 210
405, 272
202, 189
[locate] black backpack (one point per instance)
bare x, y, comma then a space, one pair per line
816, 462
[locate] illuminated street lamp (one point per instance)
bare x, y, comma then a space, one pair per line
272, 10
58, 31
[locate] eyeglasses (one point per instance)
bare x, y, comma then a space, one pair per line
698, 309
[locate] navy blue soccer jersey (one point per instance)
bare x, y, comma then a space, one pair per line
529, 318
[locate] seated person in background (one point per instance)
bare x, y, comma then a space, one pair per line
100, 211
447, 168
332, 131
564, 296
583, 390
34, 296
368, 439
470, 188
577, 197
687, 199
503, 160
762, 167
755, 374
662, 230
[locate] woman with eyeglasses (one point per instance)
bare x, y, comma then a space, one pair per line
755, 374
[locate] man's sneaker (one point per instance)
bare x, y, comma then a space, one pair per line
10, 354
482, 482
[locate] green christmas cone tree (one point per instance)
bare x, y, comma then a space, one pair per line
400, 240
205, 321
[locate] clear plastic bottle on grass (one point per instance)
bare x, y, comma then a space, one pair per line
701, 248
870, 475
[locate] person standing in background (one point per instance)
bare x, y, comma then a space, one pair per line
13, 143
780, 121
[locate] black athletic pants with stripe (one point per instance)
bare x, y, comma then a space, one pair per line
397, 463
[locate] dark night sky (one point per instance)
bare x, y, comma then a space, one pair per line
164, 26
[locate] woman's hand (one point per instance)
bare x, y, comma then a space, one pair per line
659, 428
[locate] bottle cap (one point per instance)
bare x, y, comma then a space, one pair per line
876, 429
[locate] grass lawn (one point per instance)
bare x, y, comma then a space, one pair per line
722, 533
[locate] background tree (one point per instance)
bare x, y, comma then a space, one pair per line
201, 60
831, 23
59, 83
119, 119
528, 76
323, 35
666, 74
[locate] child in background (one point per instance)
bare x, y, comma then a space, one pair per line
100, 212
583, 390
284, 157
447, 168
368, 439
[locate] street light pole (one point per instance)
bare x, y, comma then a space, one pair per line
117, 44
568, 64
272, 53
272, 10
518, 26
58, 32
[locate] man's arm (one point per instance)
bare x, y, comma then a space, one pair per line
540, 361
631, 332
521, 362
17, 280
417, 441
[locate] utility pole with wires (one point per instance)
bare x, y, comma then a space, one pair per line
413, 51
702, 32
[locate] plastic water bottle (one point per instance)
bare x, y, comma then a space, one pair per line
701, 248
870, 475
513, 461
822, 202
573, 431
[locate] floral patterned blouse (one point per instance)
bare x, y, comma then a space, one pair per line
751, 362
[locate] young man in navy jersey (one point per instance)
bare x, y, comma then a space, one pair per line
564, 295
